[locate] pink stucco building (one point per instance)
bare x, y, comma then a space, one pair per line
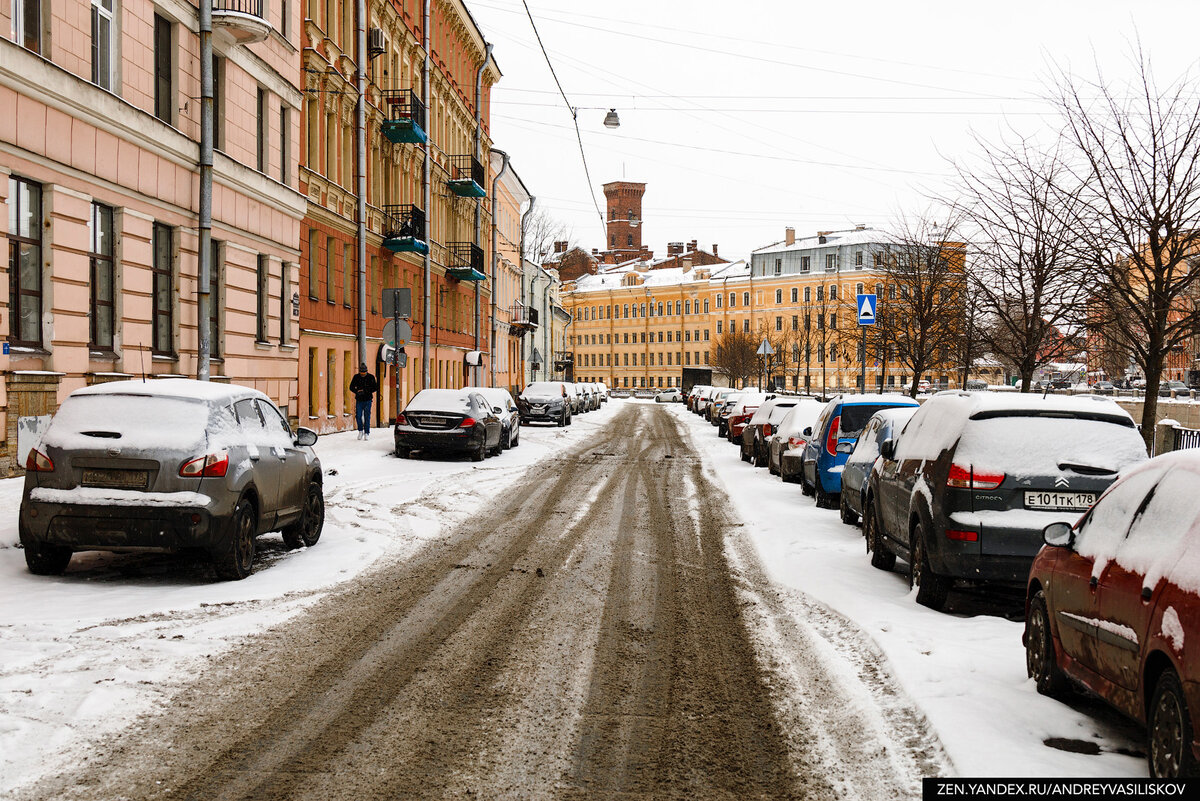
99, 195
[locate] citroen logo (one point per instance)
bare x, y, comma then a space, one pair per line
1062, 481
114, 451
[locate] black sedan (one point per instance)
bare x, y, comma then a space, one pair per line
510, 416
449, 420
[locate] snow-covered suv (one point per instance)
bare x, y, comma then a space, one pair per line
168, 466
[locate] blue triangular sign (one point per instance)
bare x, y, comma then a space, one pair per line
866, 309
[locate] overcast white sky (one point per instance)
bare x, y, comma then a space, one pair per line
745, 117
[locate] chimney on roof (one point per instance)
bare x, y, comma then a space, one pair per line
821, 236
789, 236
674, 248
691, 246
715, 248
860, 227
560, 246
595, 251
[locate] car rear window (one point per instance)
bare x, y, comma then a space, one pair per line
854, 418
438, 400
540, 388
1035, 445
144, 422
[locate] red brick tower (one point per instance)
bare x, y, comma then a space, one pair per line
624, 219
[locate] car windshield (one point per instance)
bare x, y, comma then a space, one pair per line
130, 421
439, 400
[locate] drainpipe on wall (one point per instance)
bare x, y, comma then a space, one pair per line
203, 299
495, 258
487, 55
360, 143
524, 219
425, 181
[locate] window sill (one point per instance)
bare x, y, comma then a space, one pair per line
287, 347
163, 357
27, 350
102, 355
261, 345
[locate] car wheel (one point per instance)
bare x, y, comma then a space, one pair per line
44, 558
1169, 731
1040, 663
881, 556
562, 421
402, 452
235, 559
932, 589
569, 419
760, 458
824, 499
848, 515
307, 529
505, 440
745, 456
771, 468
480, 453
516, 440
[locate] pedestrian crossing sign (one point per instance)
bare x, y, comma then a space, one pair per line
866, 310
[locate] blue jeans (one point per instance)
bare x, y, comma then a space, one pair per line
362, 415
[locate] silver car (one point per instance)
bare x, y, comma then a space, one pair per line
165, 466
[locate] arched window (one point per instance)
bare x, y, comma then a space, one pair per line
678, 307
687, 307
706, 305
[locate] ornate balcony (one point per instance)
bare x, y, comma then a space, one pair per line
243, 20
405, 116
522, 319
467, 177
466, 262
404, 229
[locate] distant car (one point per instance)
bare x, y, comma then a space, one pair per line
1178, 387
693, 394
786, 444
761, 426
603, 392
618, 392
504, 405
975, 385
1111, 605
669, 396
545, 402
1103, 388
832, 439
883, 425
645, 393
740, 412
449, 420
717, 405
976, 476
169, 466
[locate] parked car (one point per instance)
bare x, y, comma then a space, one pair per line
1103, 388
721, 411
669, 396
832, 439
741, 411
545, 402
787, 442
1178, 387
883, 425
975, 385
761, 426
449, 420
712, 412
169, 466
693, 395
505, 406
976, 476
1111, 605
703, 398
603, 392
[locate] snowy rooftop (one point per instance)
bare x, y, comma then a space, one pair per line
614, 276
864, 236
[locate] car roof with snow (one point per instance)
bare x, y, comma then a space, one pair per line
875, 399
179, 388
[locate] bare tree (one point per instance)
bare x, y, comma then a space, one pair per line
1023, 211
734, 356
542, 230
1140, 152
921, 319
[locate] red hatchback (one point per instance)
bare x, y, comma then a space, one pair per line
1113, 604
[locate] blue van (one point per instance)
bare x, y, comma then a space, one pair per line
831, 439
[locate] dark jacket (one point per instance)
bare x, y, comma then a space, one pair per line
364, 386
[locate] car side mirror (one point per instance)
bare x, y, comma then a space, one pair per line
808, 431
306, 437
497, 410
1060, 535
845, 447
888, 449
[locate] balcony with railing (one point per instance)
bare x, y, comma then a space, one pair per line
465, 262
404, 116
243, 20
467, 178
522, 319
404, 229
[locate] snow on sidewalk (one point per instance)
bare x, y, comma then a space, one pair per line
84, 654
967, 673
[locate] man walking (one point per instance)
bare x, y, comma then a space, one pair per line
364, 386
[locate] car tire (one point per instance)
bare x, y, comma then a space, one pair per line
849, 516
480, 453
882, 557
234, 560
932, 589
1169, 731
516, 440
44, 558
562, 421
402, 452
760, 459
745, 456
307, 530
570, 419
505, 439
1040, 662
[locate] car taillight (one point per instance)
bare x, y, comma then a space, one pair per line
968, 478
962, 536
468, 422
831, 441
767, 430
38, 462
796, 442
401, 419
211, 465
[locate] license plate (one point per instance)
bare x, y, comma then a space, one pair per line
119, 479
538, 409
1060, 501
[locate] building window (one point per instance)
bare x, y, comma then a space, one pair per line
330, 380
808, 322
778, 266
879, 290
779, 296
820, 294
830, 262
285, 151
706, 335
25, 261
732, 299
745, 298
314, 387
807, 294
878, 259
27, 23
833, 321
214, 299
892, 292
746, 325
102, 44
804, 263
100, 234
164, 290
263, 129
718, 326
687, 307
795, 294
858, 258
218, 79
778, 323
706, 305
314, 262
795, 322
331, 248
164, 69
833, 291
262, 298
629, 240
285, 303
719, 299
820, 322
